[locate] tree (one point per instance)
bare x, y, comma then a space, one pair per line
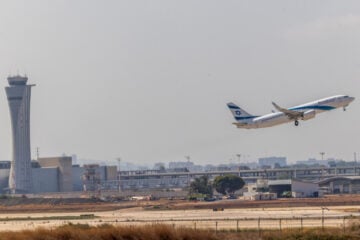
228, 184
201, 185
159, 166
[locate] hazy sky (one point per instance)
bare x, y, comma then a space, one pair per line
148, 81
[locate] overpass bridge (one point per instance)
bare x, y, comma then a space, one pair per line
155, 180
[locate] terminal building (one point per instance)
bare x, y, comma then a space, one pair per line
340, 185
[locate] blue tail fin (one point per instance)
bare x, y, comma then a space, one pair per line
238, 113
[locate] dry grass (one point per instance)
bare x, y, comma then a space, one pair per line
167, 232
109, 232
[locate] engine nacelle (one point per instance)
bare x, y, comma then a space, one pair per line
309, 115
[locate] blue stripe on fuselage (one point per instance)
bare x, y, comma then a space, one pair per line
245, 118
317, 107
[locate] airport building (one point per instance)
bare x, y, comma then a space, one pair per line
294, 188
272, 162
340, 185
18, 94
64, 171
57, 174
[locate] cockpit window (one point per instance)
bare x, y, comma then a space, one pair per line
346, 96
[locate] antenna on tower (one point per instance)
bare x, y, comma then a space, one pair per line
37, 153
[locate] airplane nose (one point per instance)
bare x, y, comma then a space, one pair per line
352, 99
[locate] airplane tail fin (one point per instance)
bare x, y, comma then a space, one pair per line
238, 113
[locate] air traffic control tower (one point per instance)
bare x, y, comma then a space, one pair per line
18, 95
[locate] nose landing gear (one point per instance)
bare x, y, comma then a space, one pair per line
296, 123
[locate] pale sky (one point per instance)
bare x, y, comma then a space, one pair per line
148, 81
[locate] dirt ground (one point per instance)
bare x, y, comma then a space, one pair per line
95, 205
285, 213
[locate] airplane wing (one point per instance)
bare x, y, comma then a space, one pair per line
290, 113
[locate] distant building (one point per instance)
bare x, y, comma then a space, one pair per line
64, 165
188, 165
313, 161
272, 161
45, 180
340, 185
90, 176
295, 188
18, 94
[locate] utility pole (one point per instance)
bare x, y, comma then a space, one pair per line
355, 162
355, 158
322, 159
119, 185
37, 153
188, 176
239, 157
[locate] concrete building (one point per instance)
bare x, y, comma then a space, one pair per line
64, 165
45, 180
92, 177
340, 185
273, 162
295, 188
18, 94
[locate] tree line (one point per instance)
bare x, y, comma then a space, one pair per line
226, 185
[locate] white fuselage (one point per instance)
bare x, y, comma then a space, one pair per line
309, 109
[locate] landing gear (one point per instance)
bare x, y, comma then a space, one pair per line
296, 123
344, 108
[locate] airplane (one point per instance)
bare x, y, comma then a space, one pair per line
284, 115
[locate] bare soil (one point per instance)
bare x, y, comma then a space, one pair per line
21, 205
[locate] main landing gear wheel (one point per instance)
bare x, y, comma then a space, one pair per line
296, 123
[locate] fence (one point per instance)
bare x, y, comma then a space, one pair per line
258, 224
214, 224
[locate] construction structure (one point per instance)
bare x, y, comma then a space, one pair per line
91, 178
18, 94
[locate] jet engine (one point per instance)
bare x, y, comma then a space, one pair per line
309, 115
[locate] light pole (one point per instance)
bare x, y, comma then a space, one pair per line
322, 159
119, 185
239, 157
355, 162
188, 176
